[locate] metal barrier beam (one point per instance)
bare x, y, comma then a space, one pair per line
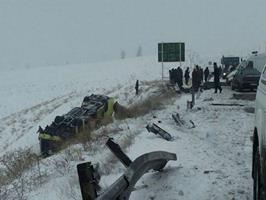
122, 188
116, 149
87, 181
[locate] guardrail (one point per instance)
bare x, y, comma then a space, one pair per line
124, 185
122, 188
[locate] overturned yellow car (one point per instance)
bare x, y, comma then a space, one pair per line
93, 111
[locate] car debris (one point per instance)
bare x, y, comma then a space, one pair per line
181, 122
89, 179
116, 149
121, 189
177, 119
125, 184
158, 130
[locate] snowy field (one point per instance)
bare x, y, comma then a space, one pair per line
32, 97
213, 159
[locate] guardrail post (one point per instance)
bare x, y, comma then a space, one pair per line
87, 181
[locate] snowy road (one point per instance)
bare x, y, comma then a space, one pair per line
214, 159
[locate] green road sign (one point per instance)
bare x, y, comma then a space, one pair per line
171, 52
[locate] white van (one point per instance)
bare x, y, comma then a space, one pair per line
259, 141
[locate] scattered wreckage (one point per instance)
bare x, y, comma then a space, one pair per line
158, 130
180, 122
121, 189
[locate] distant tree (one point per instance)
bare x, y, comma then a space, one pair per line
139, 52
123, 54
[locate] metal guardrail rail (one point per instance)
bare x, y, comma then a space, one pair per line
121, 189
123, 186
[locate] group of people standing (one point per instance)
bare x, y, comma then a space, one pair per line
198, 77
176, 76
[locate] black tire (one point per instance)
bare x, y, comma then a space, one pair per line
257, 190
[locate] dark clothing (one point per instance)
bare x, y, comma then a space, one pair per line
201, 75
216, 74
175, 75
180, 77
217, 86
195, 80
170, 76
137, 87
206, 74
187, 76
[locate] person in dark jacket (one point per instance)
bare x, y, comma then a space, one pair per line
201, 75
216, 74
198, 75
187, 76
180, 77
206, 74
137, 87
172, 76
195, 79
175, 75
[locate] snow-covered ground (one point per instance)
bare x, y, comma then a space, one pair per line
214, 158
32, 97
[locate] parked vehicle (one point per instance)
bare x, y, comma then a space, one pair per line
259, 141
246, 76
229, 64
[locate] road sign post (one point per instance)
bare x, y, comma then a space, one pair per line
171, 52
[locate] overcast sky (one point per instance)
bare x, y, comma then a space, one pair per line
40, 32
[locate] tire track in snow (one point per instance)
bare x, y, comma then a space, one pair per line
219, 133
16, 125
